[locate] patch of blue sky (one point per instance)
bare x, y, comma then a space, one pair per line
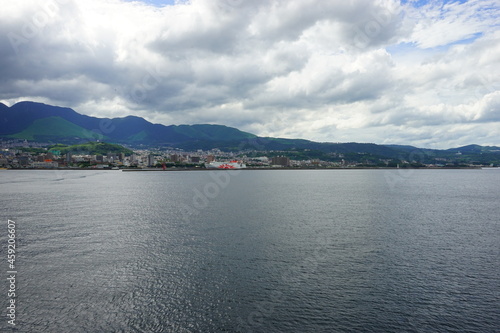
415, 3
411, 47
421, 3
156, 3
467, 40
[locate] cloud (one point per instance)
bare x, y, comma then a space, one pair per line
364, 70
442, 23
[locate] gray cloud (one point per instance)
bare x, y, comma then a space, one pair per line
372, 71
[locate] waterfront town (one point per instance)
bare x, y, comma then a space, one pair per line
19, 154
22, 154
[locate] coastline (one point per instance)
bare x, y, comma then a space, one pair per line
243, 169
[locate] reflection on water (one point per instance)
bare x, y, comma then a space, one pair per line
260, 251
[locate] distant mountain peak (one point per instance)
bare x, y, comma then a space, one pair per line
20, 121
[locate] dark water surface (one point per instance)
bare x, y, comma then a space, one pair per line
254, 251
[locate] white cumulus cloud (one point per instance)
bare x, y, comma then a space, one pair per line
361, 70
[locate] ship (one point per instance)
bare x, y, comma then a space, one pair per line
226, 165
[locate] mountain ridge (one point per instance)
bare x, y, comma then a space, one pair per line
47, 123
125, 130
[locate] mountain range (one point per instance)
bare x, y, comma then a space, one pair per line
46, 123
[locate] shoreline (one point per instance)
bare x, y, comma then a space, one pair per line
243, 169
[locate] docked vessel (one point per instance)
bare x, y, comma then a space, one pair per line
225, 165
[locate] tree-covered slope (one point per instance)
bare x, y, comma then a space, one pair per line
32, 121
51, 129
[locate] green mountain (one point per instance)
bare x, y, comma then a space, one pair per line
50, 129
41, 122
474, 149
46, 123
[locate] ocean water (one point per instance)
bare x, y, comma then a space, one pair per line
253, 250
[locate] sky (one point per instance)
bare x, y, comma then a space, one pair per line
423, 73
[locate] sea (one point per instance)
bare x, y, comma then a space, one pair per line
251, 251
